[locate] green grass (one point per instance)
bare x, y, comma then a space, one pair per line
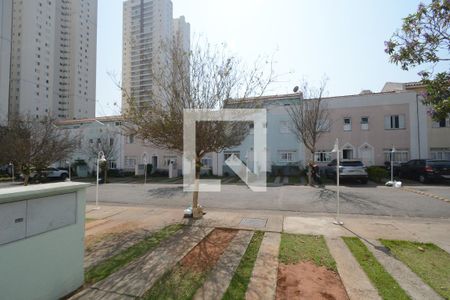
239, 283
294, 180
387, 287
429, 262
105, 268
295, 248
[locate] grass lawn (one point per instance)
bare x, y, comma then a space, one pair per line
387, 287
297, 247
239, 283
428, 261
105, 268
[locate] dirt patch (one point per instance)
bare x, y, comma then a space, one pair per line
205, 255
305, 280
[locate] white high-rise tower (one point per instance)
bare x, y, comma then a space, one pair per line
148, 26
53, 65
5, 56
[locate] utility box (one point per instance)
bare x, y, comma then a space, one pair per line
42, 240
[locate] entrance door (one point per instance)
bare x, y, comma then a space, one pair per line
154, 163
347, 154
366, 153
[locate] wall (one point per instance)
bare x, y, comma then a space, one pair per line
48, 265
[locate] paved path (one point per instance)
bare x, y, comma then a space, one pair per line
263, 283
220, 277
356, 282
406, 278
140, 275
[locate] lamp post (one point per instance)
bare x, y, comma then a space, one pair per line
12, 171
144, 158
70, 172
392, 164
336, 149
100, 157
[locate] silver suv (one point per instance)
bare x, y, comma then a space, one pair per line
348, 169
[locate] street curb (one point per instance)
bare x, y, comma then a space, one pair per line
426, 194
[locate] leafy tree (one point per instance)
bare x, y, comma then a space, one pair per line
33, 144
203, 78
425, 39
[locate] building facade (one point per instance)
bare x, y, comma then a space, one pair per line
53, 63
5, 55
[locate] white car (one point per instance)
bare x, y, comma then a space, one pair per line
50, 173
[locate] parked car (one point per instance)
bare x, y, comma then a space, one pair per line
426, 170
348, 170
49, 173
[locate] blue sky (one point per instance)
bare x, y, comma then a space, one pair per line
342, 39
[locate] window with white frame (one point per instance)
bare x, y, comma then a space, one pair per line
322, 156
130, 139
399, 155
284, 127
207, 162
440, 153
442, 123
286, 156
112, 164
394, 122
130, 161
347, 124
168, 159
228, 154
364, 123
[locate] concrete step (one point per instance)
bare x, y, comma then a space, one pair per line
140, 275
263, 283
220, 277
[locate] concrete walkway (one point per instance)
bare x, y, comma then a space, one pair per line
140, 275
406, 278
263, 283
356, 282
220, 277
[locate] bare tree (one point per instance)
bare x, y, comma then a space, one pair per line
33, 144
106, 142
310, 118
203, 78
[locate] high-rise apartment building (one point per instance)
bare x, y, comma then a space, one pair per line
5, 56
182, 32
53, 64
148, 30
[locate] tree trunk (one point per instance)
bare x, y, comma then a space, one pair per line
26, 179
197, 211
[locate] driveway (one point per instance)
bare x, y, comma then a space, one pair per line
358, 199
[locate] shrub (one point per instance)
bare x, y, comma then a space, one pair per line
377, 174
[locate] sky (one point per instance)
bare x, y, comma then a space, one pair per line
342, 40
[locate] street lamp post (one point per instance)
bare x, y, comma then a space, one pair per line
145, 167
12, 171
100, 157
70, 172
392, 164
336, 149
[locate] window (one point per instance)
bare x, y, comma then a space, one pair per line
442, 123
207, 162
111, 142
440, 153
112, 164
394, 122
286, 156
228, 154
284, 127
399, 155
347, 124
130, 161
364, 123
168, 159
322, 156
347, 153
130, 139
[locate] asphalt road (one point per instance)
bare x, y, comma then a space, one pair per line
358, 199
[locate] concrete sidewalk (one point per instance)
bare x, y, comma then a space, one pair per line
368, 227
